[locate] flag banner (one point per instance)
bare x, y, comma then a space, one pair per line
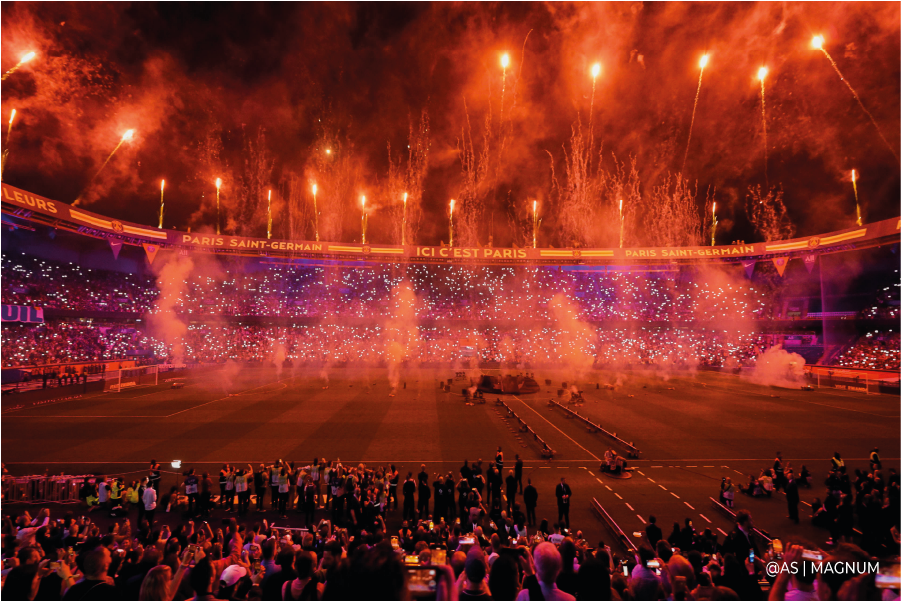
151, 250
22, 314
780, 263
115, 246
809, 261
749, 267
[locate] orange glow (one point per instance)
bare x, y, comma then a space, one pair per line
363, 201
452, 207
314, 189
505, 60
761, 73
128, 135
534, 206
817, 42
218, 183
853, 176
596, 69
162, 185
704, 60
12, 116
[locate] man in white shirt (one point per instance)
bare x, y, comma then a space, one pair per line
149, 501
28, 528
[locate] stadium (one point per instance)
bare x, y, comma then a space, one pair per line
270, 398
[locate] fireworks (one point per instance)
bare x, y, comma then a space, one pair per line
702, 63
218, 185
622, 222
403, 223
451, 221
535, 223
128, 135
856, 200
9, 133
761, 75
162, 202
505, 60
713, 225
21, 62
363, 219
595, 71
315, 214
818, 44
269, 213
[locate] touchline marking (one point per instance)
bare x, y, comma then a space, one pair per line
630, 507
608, 488
675, 495
651, 480
705, 517
723, 533
689, 506
592, 473
662, 486
640, 472
596, 458
640, 518
656, 466
618, 497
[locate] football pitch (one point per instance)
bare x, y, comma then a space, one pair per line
692, 430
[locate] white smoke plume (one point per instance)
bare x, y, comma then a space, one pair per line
778, 367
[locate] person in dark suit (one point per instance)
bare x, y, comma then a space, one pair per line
792, 497
409, 491
517, 471
564, 493
653, 532
511, 490
530, 498
741, 540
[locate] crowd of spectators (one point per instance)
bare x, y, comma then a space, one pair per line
443, 292
875, 350
457, 544
66, 342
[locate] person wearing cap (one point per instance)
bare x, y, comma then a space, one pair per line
472, 583
548, 565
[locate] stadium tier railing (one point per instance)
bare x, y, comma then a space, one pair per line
612, 526
633, 451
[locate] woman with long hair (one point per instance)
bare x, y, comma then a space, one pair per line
159, 585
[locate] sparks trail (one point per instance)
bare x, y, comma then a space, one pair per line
856, 200
693, 111
860, 103
127, 136
761, 74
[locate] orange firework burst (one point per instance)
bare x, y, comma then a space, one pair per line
21, 62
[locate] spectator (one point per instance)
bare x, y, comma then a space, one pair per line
548, 565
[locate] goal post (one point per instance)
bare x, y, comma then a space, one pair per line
116, 381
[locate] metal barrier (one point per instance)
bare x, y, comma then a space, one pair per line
612, 526
731, 514
546, 451
632, 450
43, 489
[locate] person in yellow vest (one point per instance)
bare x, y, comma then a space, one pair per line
875, 462
115, 493
131, 493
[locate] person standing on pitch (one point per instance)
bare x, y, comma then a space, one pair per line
511, 490
778, 472
530, 498
409, 491
499, 460
792, 497
563, 492
517, 471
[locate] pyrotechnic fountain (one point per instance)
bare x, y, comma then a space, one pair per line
761, 75
162, 202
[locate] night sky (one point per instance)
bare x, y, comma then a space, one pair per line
256, 93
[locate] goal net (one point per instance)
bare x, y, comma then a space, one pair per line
116, 381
